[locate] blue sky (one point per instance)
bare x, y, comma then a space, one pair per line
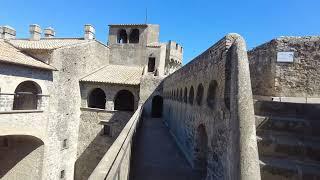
196, 24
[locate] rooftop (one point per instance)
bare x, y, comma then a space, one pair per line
116, 74
46, 43
10, 54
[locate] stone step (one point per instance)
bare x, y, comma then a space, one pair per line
286, 169
288, 124
289, 145
285, 109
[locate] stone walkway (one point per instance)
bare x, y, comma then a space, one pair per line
156, 156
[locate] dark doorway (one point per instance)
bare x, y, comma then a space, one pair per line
151, 64
26, 96
157, 106
97, 99
124, 101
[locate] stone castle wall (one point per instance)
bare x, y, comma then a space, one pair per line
208, 109
299, 78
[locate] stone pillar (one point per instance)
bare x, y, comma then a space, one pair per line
35, 32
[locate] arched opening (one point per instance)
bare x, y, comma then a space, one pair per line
21, 152
199, 94
185, 97
157, 107
124, 101
97, 99
122, 36
212, 91
26, 96
191, 95
201, 150
134, 36
180, 95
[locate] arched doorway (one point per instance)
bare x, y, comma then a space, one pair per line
21, 157
201, 150
26, 96
97, 99
157, 106
124, 101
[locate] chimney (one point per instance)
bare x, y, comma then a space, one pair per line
35, 32
89, 32
7, 32
49, 32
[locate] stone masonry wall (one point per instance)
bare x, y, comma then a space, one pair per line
92, 143
72, 63
299, 78
208, 108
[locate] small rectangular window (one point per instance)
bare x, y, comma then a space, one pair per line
65, 144
62, 174
151, 64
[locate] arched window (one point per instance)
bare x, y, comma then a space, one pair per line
124, 101
199, 94
185, 97
122, 36
97, 99
201, 150
26, 96
212, 91
191, 95
134, 36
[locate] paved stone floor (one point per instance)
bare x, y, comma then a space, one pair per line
156, 156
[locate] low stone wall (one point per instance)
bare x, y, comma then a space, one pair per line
92, 142
208, 108
115, 164
299, 78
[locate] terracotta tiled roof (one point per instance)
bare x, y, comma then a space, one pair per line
116, 74
10, 54
128, 25
45, 43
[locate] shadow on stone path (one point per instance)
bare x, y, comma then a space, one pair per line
156, 156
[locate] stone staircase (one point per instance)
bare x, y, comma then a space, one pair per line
288, 137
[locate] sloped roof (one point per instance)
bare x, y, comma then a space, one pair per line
116, 74
144, 25
12, 55
45, 43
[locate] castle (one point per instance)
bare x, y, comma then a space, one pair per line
72, 108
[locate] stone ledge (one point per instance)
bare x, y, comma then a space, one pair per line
21, 111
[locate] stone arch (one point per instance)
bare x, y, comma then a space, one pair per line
26, 96
22, 157
199, 97
201, 150
124, 101
212, 93
97, 99
191, 95
122, 36
157, 106
180, 96
134, 36
185, 96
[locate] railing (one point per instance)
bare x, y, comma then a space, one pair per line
116, 162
